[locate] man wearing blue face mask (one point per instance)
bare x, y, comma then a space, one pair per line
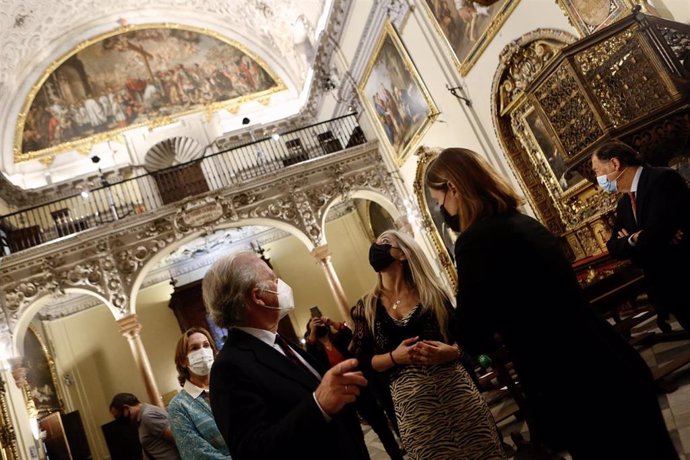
652, 224
269, 398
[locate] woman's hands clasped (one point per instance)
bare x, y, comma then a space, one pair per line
430, 352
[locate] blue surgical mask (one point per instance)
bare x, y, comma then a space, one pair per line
609, 185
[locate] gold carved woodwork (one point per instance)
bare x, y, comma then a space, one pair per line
556, 100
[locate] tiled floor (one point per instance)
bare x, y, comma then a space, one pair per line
675, 404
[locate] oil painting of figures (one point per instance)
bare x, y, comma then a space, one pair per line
465, 24
396, 94
39, 375
135, 77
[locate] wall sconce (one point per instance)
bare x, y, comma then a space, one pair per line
454, 92
68, 380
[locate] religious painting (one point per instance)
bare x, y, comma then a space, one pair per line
139, 75
40, 374
544, 141
467, 26
588, 16
396, 95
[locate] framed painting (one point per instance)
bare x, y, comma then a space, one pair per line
543, 140
41, 377
442, 237
588, 16
135, 76
395, 94
467, 26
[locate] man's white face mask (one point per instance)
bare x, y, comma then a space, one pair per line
286, 302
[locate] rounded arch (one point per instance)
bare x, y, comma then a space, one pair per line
160, 255
365, 194
28, 314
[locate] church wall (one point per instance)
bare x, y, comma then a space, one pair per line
349, 246
95, 357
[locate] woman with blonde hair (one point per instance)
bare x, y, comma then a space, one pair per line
191, 419
515, 283
404, 328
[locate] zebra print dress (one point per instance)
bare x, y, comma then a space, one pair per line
440, 413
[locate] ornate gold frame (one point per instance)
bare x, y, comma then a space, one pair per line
617, 9
389, 31
85, 144
53, 372
425, 155
466, 64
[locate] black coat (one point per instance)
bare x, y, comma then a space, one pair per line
264, 408
663, 206
587, 389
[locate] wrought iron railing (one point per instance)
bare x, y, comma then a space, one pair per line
146, 192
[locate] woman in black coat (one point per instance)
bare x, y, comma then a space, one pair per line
586, 388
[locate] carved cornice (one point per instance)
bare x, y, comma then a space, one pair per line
109, 260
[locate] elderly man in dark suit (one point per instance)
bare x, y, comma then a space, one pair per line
652, 224
269, 398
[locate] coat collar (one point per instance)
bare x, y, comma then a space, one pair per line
274, 360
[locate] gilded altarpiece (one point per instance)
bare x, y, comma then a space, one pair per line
556, 100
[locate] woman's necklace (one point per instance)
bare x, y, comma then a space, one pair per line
396, 304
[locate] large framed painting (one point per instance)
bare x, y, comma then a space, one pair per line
394, 92
467, 26
40, 375
133, 76
588, 16
442, 237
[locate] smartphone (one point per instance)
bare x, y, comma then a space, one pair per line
315, 312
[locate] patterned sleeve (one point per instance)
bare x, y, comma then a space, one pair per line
362, 346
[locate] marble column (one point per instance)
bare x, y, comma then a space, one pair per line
131, 329
323, 256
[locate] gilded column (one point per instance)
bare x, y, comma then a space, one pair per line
323, 256
131, 328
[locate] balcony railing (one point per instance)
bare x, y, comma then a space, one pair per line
146, 192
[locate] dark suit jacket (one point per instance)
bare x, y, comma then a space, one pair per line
264, 408
663, 206
576, 371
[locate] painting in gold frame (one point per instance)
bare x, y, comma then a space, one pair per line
588, 16
134, 76
442, 237
467, 26
41, 377
395, 94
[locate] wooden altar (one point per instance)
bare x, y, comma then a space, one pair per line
556, 99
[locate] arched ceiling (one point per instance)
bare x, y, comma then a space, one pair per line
37, 34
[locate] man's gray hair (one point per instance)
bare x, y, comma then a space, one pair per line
226, 287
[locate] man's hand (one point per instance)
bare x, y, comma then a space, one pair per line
339, 386
623, 233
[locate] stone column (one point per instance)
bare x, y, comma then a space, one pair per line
131, 328
323, 256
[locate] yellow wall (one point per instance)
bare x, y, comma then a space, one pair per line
292, 261
89, 347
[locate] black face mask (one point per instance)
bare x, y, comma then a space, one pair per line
451, 221
321, 331
380, 256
